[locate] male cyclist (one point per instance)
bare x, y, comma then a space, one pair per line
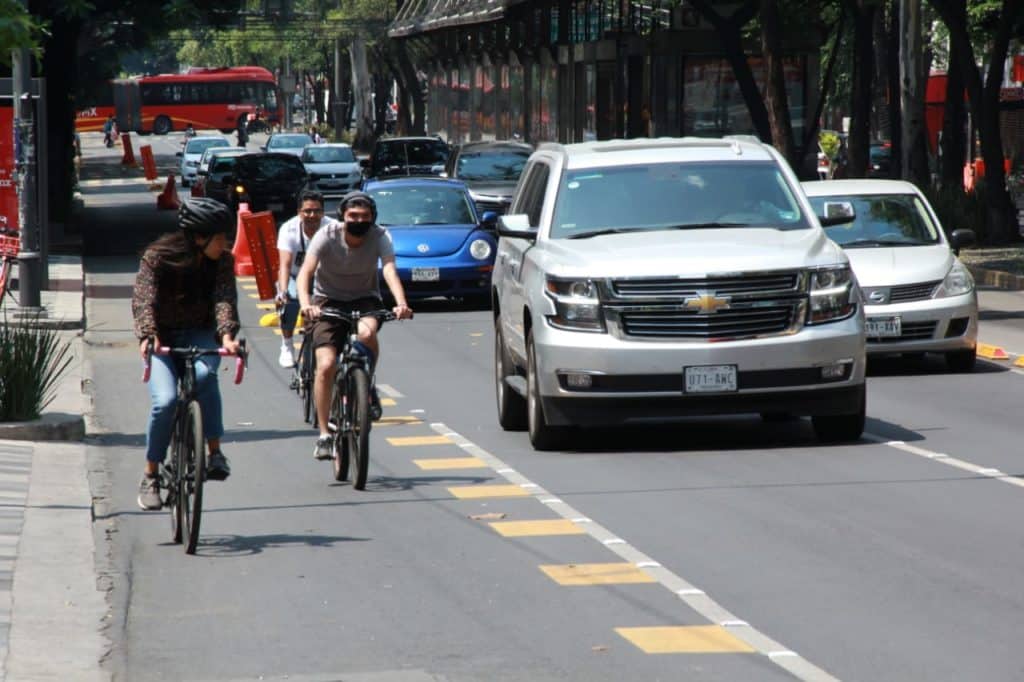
342, 263
292, 241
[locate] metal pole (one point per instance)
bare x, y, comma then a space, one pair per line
30, 256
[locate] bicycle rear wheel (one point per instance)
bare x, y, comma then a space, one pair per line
358, 391
341, 450
192, 476
306, 367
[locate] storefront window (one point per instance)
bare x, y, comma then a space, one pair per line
534, 100
504, 113
517, 124
477, 104
590, 103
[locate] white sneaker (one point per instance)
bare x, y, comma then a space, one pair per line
285, 359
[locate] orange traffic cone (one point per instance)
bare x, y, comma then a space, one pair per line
168, 199
243, 259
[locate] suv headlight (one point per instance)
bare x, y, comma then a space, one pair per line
577, 306
834, 295
958, 282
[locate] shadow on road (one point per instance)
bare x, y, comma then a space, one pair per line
248, 545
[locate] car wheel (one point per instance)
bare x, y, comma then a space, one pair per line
962, 361
162, 125
840, 428
542, 435
511, 405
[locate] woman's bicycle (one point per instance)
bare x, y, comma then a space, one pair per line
350, 400
184, 473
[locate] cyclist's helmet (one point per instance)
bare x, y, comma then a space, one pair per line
204, 216
359, 198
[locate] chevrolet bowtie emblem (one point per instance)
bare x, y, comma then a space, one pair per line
705, 304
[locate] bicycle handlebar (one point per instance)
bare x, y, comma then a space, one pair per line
241, 357
353, 316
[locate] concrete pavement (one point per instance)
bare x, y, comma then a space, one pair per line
52, 611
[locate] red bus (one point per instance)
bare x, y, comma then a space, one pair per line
205, 97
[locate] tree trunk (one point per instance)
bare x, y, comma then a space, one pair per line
863, 75
414, 92
953, 145
912, 95
984, 103
895, 110
361, 87
729, 32
58, 52
775, 98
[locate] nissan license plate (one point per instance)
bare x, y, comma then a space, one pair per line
709, 379
426, 274
883, 327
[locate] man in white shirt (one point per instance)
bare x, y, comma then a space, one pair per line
292, 242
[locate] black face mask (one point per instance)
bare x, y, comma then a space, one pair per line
358, 228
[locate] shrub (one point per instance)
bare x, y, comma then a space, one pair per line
32, 360
958, 209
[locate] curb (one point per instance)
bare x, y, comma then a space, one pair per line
996, 278
53, 426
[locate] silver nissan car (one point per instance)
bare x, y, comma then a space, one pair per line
918, 296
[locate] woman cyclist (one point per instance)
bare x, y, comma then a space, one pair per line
185, 296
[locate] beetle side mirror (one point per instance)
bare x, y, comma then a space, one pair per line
489, 220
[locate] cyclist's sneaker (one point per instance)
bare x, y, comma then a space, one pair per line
149, 493
217, 467
324, 447
285, 359
375, 409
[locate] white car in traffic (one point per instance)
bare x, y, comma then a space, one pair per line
918, 296
193, 151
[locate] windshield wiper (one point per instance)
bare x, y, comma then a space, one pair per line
856, 243
703, 226
609, 230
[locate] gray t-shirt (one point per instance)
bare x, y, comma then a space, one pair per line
344, 274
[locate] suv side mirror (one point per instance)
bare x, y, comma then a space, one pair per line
516, 226
837, 213
961, 238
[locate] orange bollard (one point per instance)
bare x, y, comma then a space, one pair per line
148, 162
261, 233
128, 159
243, 259
168, 199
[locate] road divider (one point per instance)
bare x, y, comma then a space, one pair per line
990, 352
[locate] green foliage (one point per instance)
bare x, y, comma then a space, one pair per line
18, 29
32, 360
958, 209
830, 144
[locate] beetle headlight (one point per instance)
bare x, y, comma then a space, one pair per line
480, 249
577, 306
833, 295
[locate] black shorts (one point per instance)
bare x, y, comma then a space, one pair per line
333, 332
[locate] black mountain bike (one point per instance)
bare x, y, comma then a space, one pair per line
350, 400
302, 378
184, 472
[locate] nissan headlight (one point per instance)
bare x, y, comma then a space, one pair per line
577, 306
480, 249
833, 295
958, 281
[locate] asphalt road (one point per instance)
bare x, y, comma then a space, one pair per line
895, 558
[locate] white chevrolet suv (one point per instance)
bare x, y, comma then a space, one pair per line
642, 281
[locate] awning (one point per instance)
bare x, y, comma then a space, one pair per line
421, 16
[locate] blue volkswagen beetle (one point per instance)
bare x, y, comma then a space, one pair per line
442, 246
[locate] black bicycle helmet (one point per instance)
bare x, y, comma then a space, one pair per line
352, 196
200, 215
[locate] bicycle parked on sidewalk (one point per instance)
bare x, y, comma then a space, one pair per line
183, 475
349, 419
10, 244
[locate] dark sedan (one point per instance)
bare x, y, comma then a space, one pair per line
490, 170
269, 181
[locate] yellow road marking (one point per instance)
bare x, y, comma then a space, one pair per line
469, 492
256, 296
991, 352
1019, 362
522, 529
387, 402
265, 306
250, 287
386, 421
450, 463
596, 574
404, 441
270, 320
477, 334
694, 639
246, 279
278, 332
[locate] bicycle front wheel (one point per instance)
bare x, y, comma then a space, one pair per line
193, 475
173, 482
341, 451
358, 391
306, 367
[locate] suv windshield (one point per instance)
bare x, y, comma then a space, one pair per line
422, 206
675, 196
881, 220
491, 165
259, 167
328, 155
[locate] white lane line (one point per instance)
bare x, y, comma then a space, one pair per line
389, 390
943, 458
695, 598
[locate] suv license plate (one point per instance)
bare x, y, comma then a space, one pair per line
426, 274
709, 379
883, 327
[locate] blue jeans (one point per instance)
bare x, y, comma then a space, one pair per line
290, 310
163, 391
